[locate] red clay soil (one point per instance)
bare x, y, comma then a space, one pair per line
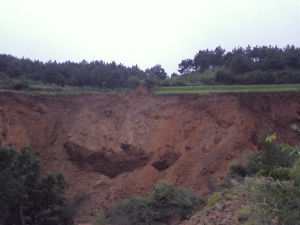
112, 146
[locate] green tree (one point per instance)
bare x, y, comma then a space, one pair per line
156, 72
186, 66
25, 196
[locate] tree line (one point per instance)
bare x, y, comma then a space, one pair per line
241, 60
250, 65
94, 74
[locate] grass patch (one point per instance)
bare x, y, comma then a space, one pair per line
230, 194
222, 89
222, 197
243, 214
214, 198
39, 88
55, 89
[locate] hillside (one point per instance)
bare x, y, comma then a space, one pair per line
111, 146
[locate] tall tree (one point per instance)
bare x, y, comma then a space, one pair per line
156, 72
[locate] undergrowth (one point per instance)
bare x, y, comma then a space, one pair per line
271, 182
163, 204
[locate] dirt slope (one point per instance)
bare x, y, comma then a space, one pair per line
110, 146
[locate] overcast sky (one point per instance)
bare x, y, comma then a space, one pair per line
142, 32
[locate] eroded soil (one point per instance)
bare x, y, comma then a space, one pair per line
111, 146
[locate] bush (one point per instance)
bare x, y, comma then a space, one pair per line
226, 77
296, 174
257, 77
163, 203
169, 201
238, 170
178, 83
272, 159
27, 197
274, 192
282, 173
287, 76
12, 84
5, 81
20, 85
150, 83
226, 183
133, 82
273, 201
208, 81
274, 155
134, 211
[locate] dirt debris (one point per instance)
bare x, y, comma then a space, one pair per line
113, 146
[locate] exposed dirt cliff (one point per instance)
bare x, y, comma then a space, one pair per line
111, 146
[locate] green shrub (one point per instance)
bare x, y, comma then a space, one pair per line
178, 83
274, 201
262, 172
276, 157
5, 81
133, 211
296, 173
274, 192
19, 85
25, 196
238, 170
133, 82
150, 83
163, 203
226, 183
169, 201
254, 164
12, 84
272, 158
282, 173
226, 76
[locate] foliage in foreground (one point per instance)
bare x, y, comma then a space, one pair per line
273, 201
273, 160
25, 196
164, 203
272, 184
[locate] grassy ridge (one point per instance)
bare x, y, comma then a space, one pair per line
203, 90
52, 89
